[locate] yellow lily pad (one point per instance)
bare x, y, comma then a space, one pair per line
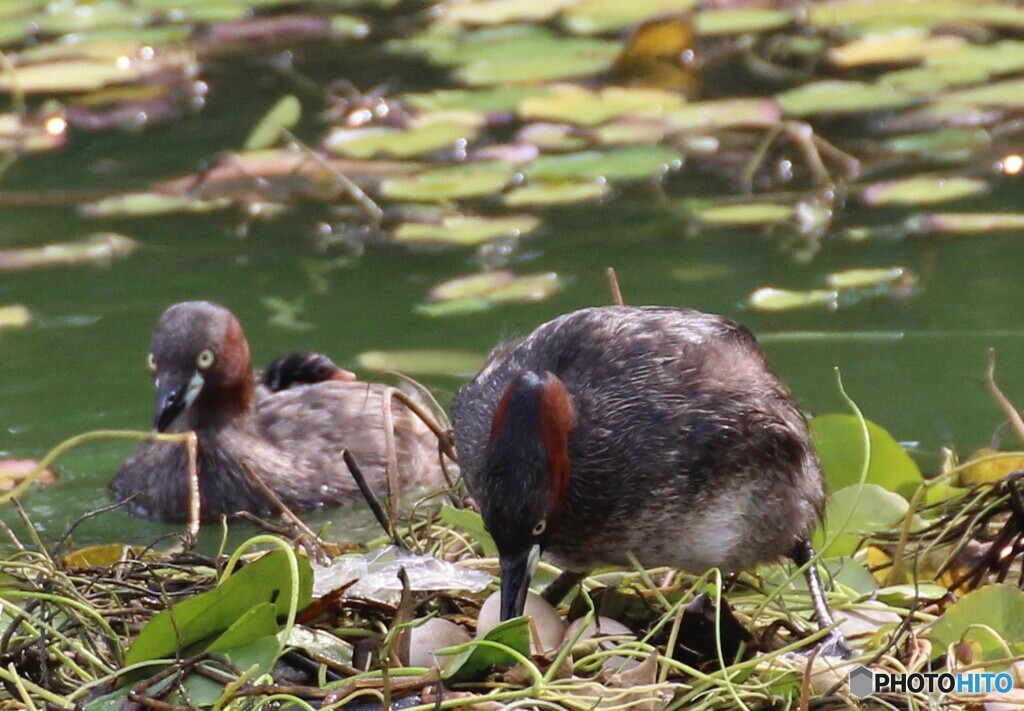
987, 466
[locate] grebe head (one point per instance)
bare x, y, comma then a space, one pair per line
526, 477
201, 364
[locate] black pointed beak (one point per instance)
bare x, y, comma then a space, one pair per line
515, 583
170, 401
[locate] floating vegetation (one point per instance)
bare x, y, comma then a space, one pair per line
547, 104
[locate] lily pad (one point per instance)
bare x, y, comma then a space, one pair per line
922, 190
769, 298
423, 362
466, 230
953, 223
839, 441
576, 104
865, 278
741, 21
557, 193
150, 204
480, 291
741, 214
903, 45
489, 100
603, 16
987, 466
471, 180
95, 249
998, 606
841, 97
955, 142
424, 134
623, 163
501, 12
724, 113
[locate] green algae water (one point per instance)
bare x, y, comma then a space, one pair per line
914, 364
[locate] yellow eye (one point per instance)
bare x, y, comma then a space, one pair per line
151, 362
205, 359
540, 527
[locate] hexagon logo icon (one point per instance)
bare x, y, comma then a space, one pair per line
862, 682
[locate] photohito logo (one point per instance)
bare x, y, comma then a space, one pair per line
864, 682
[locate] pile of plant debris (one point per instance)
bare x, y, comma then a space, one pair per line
925, 575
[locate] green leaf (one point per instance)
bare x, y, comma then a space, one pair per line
424, 134
266, 580
838, 440
998, 606
471, 523
259, 621
472, 663
282, 116
860, 511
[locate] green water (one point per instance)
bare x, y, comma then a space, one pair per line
914, 365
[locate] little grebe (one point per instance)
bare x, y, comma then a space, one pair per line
289, 430
657, 431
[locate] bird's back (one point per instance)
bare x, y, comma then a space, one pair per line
681, 431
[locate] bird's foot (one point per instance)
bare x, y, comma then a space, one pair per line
834, 644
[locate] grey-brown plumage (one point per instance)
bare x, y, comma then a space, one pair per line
657, 431
291, 439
